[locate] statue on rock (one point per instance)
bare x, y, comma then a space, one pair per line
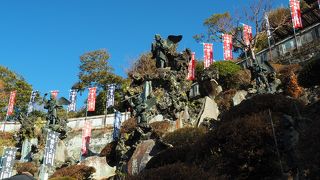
53, 121
165, 54
260, 73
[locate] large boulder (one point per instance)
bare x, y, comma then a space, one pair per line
103, 170
210, 110
61, 152
239, 97
141, 157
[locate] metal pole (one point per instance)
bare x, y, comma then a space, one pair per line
269, 43
295, 37
275, 141
4, 123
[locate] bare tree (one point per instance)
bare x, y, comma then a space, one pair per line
253, 15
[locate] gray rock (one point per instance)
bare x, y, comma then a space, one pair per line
103, 170
61, 152
140, 157
157, 118
210, 110
239, 97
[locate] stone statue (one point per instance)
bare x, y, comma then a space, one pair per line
52, 106
140, 109
164, 50
159, 51
259, 73
53, 121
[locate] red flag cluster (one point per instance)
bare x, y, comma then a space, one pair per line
191, 67
11, 102
92, 99
208, 54
227, 46
295, 13
86, 135
247, 34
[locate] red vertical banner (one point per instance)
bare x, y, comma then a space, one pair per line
86, 135
295, 13
191, 68
92, 99
54, 93
208, 54
11, 102
247, 34
227, 47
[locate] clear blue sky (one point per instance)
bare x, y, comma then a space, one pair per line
43, 40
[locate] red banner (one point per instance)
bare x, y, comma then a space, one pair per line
247, 34
86, 135
92, 99
227, 47
54, 93
208, 54
191, 67
11, 102
295, 13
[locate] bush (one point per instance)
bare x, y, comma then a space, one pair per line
176, 171
184, 136
288, 77
310, 73
259, 103
160, 128
109, 151
227, 71
6, 140
75, 171
224, 100
128, 126
26, 167
63, 178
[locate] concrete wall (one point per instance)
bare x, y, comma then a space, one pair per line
75, 123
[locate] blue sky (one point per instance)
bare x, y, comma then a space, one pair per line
43, 40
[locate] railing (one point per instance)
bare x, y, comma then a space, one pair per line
75, 123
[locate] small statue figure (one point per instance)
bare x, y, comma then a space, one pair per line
164, 51
54, 122
260, 75
52, 106
159, 50
139, 106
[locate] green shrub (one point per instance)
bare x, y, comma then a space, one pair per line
226, 68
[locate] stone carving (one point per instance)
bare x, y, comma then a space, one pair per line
259, 74
164, 51
53, 121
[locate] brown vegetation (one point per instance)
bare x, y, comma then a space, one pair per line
109, 151
76, 171
26, 167
184, 136
128, 126
178, 171
160, 128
